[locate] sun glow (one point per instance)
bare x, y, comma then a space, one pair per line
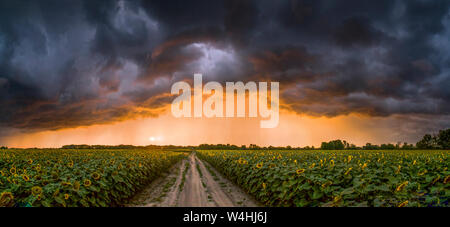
155, 138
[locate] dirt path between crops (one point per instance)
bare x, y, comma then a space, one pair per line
192, 183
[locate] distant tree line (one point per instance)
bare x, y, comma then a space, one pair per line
242, 147
174, 147
85, 146
343, 145
437, 141
122, 146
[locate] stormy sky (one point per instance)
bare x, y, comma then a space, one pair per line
66, 64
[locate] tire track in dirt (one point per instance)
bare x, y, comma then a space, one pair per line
194, 193
162, 191
225, 192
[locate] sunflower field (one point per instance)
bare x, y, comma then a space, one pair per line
390, 178
61, 177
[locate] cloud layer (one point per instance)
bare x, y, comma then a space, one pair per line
76, 63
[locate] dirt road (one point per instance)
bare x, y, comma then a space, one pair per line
192, 183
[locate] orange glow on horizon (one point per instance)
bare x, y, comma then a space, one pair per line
293, 130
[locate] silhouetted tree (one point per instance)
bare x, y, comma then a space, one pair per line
369, 146
407, 146
332, 145
443, 139
427, 142
388, 146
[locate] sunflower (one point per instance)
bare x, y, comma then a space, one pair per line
401, 186
66, 196
436, 179
300, 171
70, 164
25, 177
87, 183
56, 193
13, 170
398, 169
76, 185
6, 199
326, 184
337, 199
422, 173
348, 171
447, 179
30, 161
403, 204
259, 165
66, 183
96, 176
36, 190
364, 166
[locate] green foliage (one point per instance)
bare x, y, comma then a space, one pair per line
338, 178
439, 141
427, 142
332, 145
444, 139
55, 177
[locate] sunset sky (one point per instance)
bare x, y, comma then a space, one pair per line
100, 72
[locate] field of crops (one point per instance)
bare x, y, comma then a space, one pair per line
60, 177
338, 178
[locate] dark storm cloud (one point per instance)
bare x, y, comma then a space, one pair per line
357, 31
74, 63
